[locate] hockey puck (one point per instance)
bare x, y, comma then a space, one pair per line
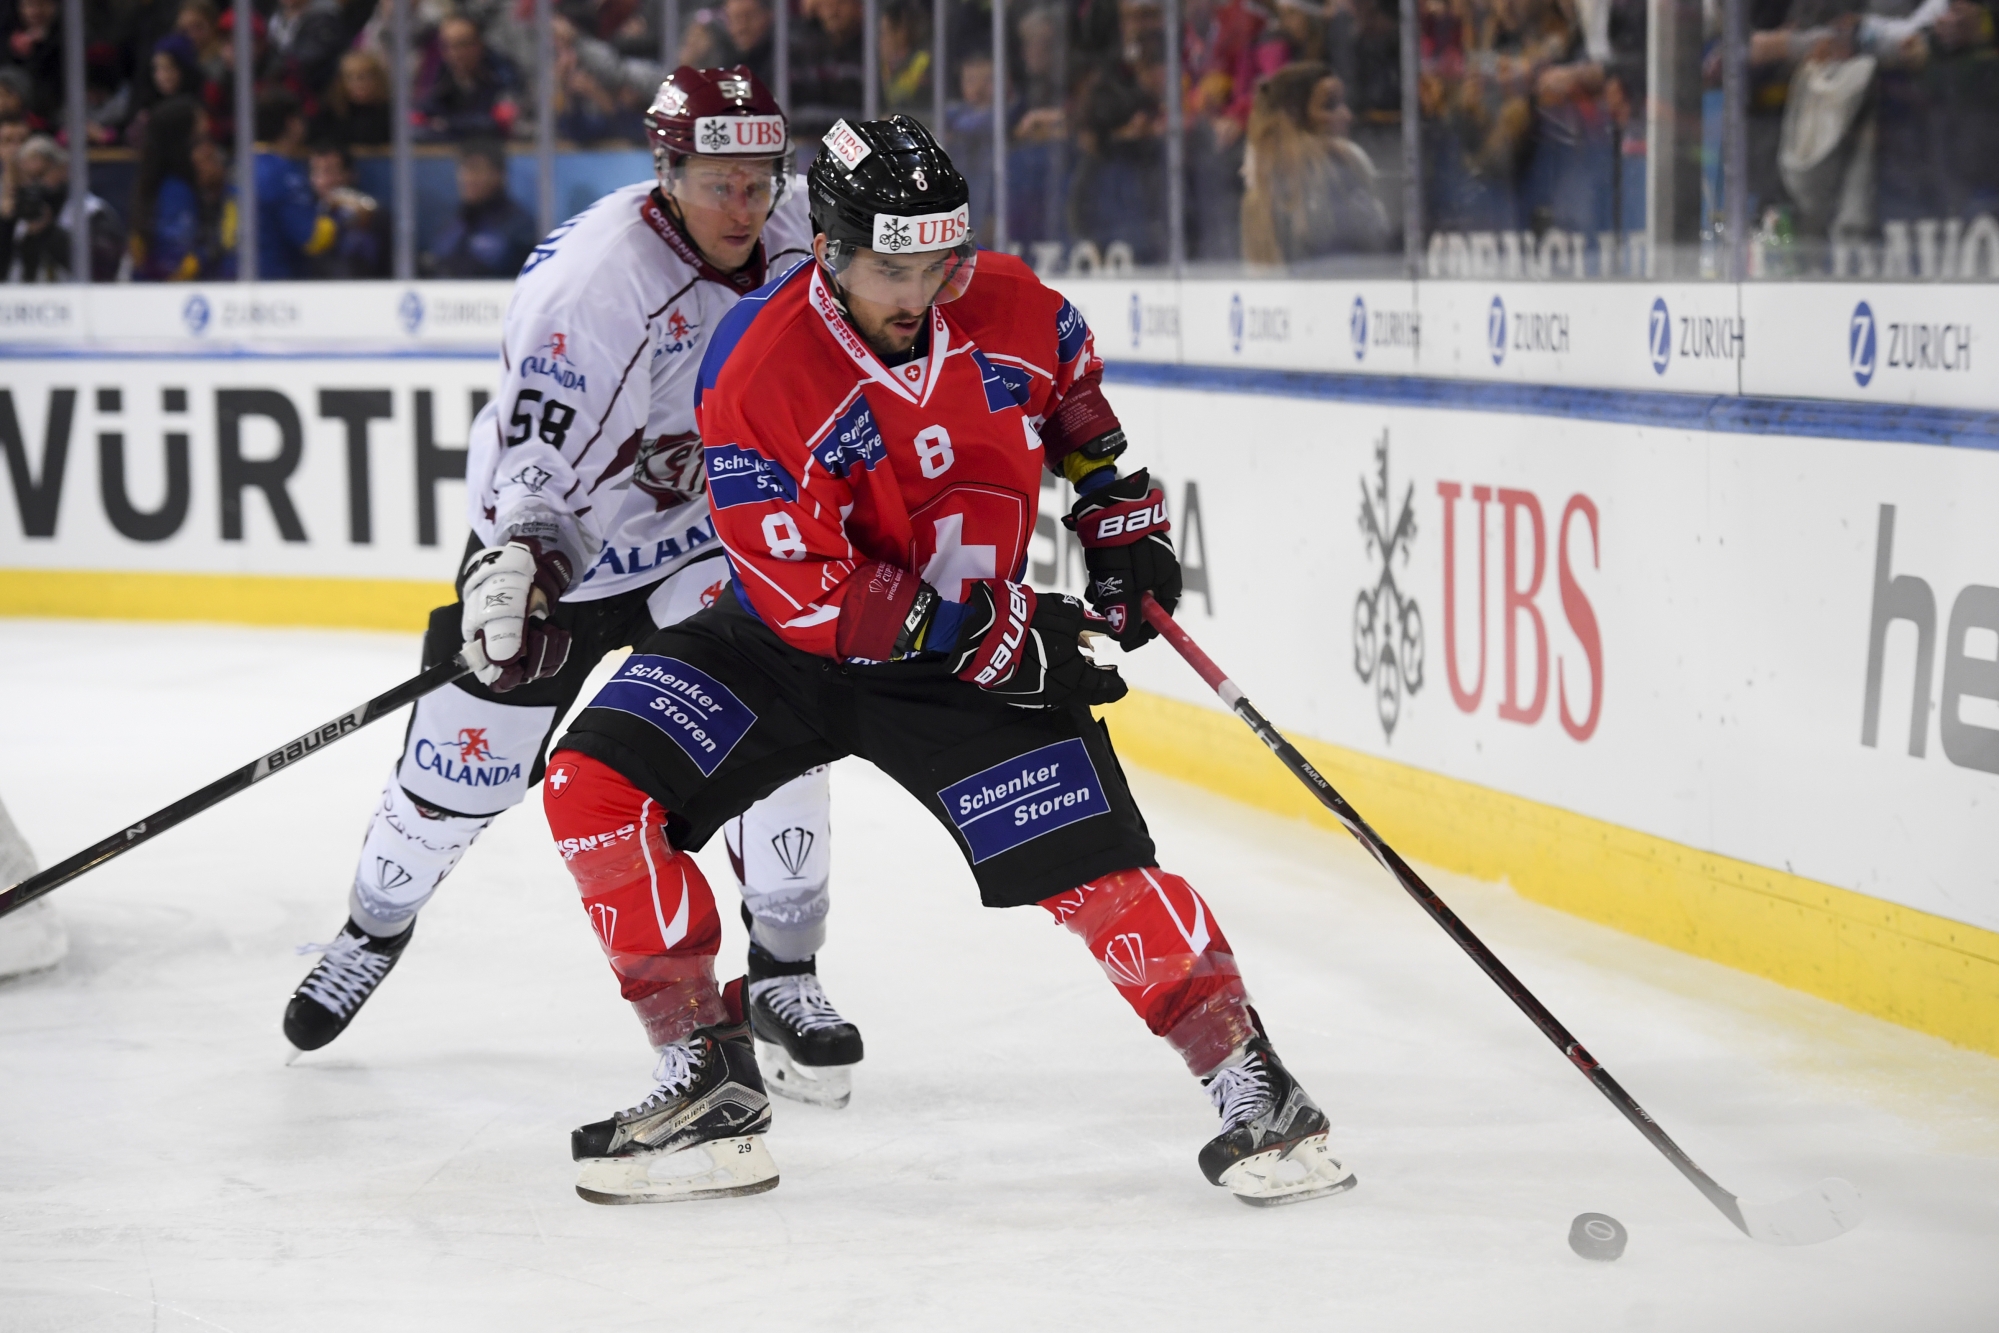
1597, 1236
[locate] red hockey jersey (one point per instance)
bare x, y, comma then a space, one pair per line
832, 476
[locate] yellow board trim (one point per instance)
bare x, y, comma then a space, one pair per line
237, 599
1922, 971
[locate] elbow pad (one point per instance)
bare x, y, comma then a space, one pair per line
1083, 423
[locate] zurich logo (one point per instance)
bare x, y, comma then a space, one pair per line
1495, 330
1235, 322
1137, 319
1357, 326
1659, 335
1860, 344
195, 313
410, 310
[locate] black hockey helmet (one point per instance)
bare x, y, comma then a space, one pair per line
888, 187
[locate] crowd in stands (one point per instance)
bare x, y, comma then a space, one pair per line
1863, 114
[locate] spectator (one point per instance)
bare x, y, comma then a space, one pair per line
600, 95
1119, 192
473, 94
1037, 159
45, 216
968, 136
215, 206
14, 132
166, 208
751, 32
290, 229
357, 107
174, 71
492, 235
1310, 190
303, 40
358, 249
904, 51
826, 67
17, 93
33, 45
216, 90
703, 45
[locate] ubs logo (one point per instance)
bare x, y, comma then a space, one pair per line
196, 313
1659, 335
1860, 344
1495, 330
1387, 626
1357, 328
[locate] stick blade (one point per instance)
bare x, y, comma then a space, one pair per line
1832, 1208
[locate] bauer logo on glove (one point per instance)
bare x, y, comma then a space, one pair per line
1123, 527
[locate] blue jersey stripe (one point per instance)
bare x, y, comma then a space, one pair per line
732, 328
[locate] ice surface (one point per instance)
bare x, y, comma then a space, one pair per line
1019, 1154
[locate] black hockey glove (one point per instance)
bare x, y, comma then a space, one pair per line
1026, 647
1123, 530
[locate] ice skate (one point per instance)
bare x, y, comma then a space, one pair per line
1272, 1148
806, 1048
332, 993
698, 1135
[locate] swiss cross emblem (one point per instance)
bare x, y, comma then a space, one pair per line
558, 779
912, 373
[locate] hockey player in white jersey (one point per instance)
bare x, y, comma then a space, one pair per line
590, 528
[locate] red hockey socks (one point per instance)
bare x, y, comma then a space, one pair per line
650, 905
1164, 951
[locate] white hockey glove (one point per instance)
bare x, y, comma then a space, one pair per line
508, 593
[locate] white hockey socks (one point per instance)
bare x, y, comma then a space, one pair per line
407, 852
781, 849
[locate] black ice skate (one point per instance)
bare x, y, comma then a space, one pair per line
806, 1049
698, 1135
340, 983
1272, 1148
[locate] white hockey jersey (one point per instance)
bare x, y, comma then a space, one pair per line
590, 444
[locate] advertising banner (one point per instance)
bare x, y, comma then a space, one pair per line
319, 466
1784, 650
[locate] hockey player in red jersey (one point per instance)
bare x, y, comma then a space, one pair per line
874, 425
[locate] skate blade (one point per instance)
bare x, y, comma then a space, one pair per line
815, 1085
1306, 1170
717, 1169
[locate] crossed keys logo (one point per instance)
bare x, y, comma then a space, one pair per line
714, 137
1387, 626
895, 235
792, 847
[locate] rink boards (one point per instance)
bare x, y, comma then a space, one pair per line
1667, 678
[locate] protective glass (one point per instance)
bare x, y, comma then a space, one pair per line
907, 281
754, 185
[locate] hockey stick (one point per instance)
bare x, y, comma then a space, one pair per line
1804, 1219
220, 790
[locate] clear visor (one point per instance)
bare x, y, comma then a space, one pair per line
907, 281
739, 185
